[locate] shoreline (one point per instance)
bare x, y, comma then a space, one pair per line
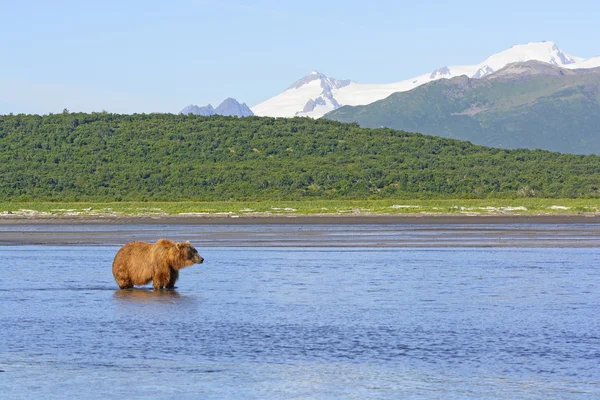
304, 219
330, 231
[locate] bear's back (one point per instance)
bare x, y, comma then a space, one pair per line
133, 253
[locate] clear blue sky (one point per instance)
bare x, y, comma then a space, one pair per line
159, 56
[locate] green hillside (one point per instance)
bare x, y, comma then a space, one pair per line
109, 157
536, 106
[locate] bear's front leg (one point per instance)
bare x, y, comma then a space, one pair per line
161, 280
174, 275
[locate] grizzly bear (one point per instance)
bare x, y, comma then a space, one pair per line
138, 263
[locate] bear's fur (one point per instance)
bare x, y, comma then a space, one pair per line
138, 263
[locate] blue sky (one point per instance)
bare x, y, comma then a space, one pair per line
159, 56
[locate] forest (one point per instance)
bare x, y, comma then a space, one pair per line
166, 157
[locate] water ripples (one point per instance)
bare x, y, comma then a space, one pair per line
329, 323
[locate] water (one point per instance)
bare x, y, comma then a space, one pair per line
305, 322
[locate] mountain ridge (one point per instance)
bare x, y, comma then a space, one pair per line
314, 95
229, 107
523, 105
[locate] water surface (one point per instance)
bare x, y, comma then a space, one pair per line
305, 322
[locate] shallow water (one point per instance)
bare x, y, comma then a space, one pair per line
328, 323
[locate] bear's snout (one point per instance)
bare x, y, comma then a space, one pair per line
198, 259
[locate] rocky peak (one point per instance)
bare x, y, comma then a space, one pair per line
232, 107
229, 107
523, 70
440, 73
195, 110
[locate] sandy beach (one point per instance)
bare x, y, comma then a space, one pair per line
311, 219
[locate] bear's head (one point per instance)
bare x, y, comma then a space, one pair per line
188, 254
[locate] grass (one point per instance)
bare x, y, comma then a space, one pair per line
522, 206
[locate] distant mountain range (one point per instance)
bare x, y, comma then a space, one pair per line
529, 96
229, 107
316, 94
529, 104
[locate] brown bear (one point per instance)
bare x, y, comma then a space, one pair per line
138, 263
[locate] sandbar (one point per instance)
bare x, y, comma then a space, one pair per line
339, 231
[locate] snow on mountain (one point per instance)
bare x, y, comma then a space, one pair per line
316, 94
311, 95
585, 64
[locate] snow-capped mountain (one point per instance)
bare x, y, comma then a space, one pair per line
316, 94
312, 96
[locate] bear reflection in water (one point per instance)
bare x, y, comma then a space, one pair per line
145, 295
139, 263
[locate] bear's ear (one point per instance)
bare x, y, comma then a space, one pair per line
178, 245
188, 242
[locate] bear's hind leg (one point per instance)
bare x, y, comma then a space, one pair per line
124, 284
